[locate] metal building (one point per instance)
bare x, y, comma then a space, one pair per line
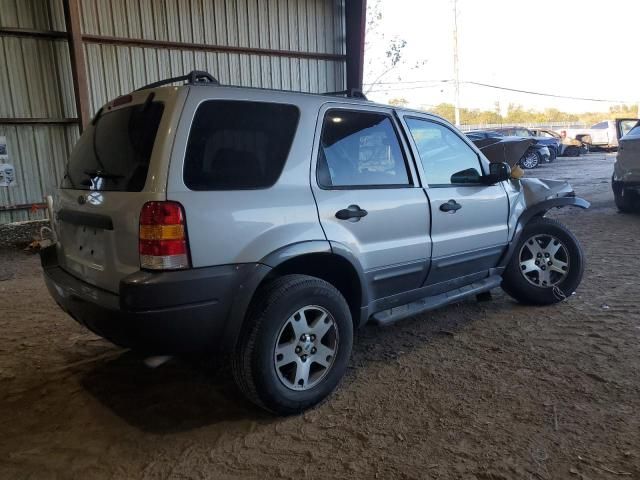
60, 60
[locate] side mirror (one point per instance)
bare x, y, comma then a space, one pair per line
498, 172
470, 175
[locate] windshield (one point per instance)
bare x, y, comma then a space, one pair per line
114, 154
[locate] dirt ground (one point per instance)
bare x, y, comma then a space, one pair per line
485, 391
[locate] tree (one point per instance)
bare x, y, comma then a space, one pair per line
394, 48
399, 102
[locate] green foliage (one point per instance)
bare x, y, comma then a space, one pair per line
399, 102
517, 114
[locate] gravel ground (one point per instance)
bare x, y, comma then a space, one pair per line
485, 391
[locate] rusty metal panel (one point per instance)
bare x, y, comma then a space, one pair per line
38, 154
313, 26
32, 14
38, 78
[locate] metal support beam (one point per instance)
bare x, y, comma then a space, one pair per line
166, 44
355, 22
31, 33
78, 66
38, 121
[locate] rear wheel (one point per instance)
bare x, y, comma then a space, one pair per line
530, 160
547, 265
295, 345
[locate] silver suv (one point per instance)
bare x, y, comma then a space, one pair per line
268, 225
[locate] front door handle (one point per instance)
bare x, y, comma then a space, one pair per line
351, 212
451, 206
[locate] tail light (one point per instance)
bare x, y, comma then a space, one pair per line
163, 237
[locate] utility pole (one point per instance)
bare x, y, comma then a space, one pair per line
456, 70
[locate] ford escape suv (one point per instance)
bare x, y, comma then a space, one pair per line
268, 225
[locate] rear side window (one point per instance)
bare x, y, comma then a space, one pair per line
360, 149
235, 145
635, 130
114, 155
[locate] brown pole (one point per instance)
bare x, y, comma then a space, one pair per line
355, 22
78, 65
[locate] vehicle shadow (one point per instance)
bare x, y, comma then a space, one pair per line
181, 395
185, 394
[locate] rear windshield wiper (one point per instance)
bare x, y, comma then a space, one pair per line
103, 174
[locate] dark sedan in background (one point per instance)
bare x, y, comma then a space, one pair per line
552, 143
535, 153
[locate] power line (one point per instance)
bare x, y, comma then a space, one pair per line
487, 85
497, 87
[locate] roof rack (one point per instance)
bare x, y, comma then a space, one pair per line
351, 93
196, 77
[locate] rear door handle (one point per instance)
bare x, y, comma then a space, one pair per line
351, 212
451, 206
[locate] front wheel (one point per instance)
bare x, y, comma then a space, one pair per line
626, 200
530, 160
295, 345
547, 265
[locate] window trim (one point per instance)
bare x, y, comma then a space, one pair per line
228, 100
394, 126
419, 159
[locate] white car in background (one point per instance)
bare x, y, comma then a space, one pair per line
603, 134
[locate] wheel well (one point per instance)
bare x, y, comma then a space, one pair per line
331, 268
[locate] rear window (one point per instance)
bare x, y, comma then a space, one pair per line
114, 155
235, 145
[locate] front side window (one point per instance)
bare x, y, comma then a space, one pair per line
360, 149
445, 157
237, 145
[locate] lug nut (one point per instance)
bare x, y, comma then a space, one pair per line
539, 255
549, 263
298, 349
546, 255
313, 350
543, 267
537, 262
304, 358
303, 337
313, 337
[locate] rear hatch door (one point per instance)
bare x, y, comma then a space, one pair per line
119, 164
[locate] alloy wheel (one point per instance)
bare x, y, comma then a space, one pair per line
306, 348
530, 160
544, 261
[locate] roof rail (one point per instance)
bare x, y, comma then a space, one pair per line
195, 77
351, 93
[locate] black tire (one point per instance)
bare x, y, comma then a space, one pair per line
530, 160
627, 201
253, 363
572, 151
518, 287
553, 154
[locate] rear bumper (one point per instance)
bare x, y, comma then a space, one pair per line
187, 311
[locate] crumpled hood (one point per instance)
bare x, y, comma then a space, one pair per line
536, 190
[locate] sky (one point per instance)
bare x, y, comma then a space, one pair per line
579, 48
